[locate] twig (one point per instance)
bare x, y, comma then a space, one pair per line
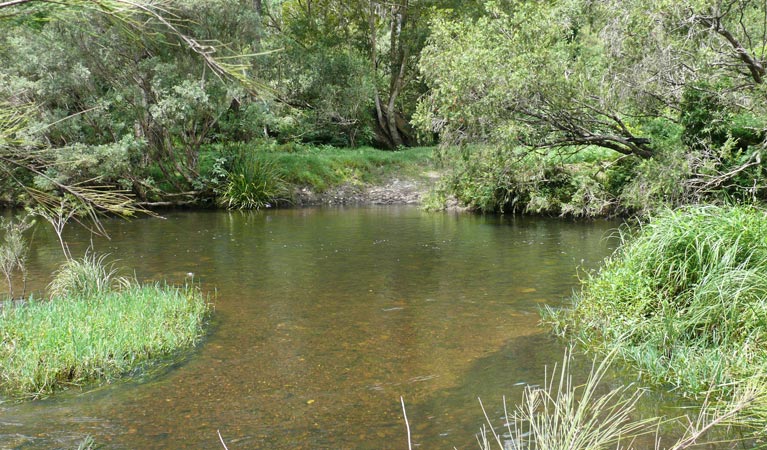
407, 424
222, 440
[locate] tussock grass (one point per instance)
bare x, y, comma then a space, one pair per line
684, 299
46, 345
252, 182
88, 276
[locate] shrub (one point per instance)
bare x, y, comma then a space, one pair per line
14, 251
519, 180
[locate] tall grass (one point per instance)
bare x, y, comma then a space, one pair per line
252, 182
87, 277
684, 299
562, 415
47, 345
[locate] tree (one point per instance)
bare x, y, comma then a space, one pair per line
621, 75
111, 93
534, 74
379, 44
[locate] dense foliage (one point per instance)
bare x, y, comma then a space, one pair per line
674, 87
108, 95
669, 96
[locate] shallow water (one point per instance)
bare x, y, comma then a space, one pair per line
323, 319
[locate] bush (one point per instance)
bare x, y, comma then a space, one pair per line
518, 180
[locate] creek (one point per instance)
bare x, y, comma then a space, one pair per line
323, 319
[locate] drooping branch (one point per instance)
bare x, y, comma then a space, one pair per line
754, 66
583, 125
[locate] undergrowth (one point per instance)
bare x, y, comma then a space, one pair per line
583, 184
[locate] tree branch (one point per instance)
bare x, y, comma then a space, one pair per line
755, 67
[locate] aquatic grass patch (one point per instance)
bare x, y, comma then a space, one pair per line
46, 345
684, 299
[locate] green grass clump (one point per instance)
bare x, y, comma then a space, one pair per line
684, 298
47, 345
88, 276
252, 182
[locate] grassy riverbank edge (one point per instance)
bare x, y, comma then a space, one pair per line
684, 300
46, 345
253, 176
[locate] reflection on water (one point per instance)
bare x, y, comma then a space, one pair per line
323, 319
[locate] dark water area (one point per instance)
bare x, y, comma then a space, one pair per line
323, 319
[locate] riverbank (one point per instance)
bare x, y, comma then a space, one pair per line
314, 176
683, 300
409, 190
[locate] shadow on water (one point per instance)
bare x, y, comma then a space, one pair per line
323, 319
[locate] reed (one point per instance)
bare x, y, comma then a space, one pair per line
563, 415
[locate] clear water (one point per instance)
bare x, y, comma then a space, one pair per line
323, 319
